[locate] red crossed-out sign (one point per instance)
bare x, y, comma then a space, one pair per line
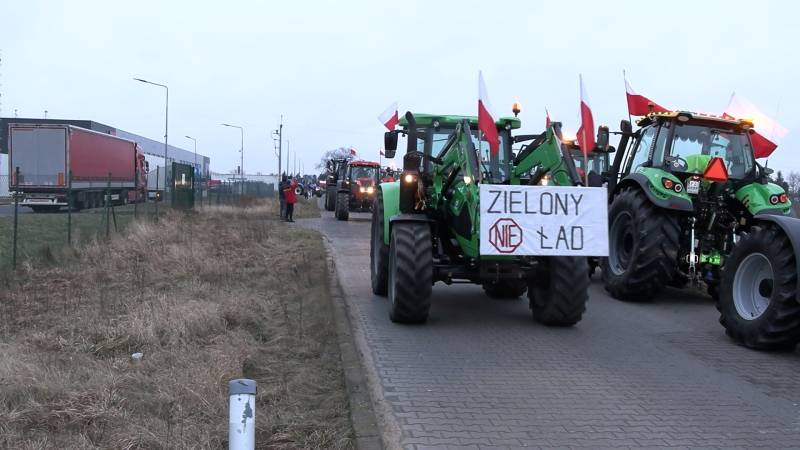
505, 235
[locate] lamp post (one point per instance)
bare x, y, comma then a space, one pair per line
166, 129
241, 150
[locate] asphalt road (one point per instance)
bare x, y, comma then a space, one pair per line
482, 374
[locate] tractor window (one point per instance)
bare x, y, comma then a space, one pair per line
642, 150
733, 147
496, 167
363, 172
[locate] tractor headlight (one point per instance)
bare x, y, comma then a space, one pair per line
370, 190
467, 179
774, 199
408, 178
362, 189
545, 181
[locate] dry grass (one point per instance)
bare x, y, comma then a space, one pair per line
207, 297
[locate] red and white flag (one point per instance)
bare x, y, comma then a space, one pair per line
639, 105
353, 152
546, 119
741, 108
586, 131
382, 153
486, 122
390, 118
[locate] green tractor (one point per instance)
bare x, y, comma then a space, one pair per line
688, 202
425, 225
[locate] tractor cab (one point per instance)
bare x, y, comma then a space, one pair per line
695, 149
431, 134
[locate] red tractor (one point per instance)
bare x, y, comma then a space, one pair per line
356, 190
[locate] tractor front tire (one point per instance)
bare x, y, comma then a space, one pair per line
342, 206
559, 293
505, 289
379, 251
758, 299
330, 199
410, 272
643, 247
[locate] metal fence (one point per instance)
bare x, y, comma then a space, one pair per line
37, 238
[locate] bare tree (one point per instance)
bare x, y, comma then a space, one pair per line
341, 152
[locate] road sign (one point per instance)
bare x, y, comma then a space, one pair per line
543, 220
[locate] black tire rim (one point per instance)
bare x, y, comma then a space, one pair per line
621, 246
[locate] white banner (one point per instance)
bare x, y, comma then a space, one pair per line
543, 220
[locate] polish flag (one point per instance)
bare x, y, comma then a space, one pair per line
741, 108
353, 152
486, 122
390, 118
546, 119
639, 105
586, 131
382, 153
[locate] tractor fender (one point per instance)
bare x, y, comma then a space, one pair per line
673, 203
791, 227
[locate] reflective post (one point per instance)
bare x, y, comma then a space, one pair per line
241, 414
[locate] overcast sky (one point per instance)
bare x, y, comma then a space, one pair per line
331, 67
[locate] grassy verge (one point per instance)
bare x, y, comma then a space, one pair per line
41, 238
206, 297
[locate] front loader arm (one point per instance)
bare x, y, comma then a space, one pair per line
546, 158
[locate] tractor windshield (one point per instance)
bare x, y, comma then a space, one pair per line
364, 173
694, 145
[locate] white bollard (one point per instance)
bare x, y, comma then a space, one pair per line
242, 414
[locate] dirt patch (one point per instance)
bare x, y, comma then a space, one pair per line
206, 297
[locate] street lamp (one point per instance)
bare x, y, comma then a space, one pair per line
241, 150
166, 129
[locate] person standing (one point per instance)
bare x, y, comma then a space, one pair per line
291, 199
282, 195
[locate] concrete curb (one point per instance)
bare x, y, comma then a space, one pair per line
362, 413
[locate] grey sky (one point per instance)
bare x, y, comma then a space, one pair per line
332, 67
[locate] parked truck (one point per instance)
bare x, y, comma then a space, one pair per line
41, 158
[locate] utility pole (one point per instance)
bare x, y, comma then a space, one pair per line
278, 135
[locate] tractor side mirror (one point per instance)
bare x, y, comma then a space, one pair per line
390, 143
602, 139
625, 126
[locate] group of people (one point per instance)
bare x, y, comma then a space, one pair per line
287, 196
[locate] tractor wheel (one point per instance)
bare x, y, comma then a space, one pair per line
558, 296
342, 206
505, 289
379, 251
757, 300
330, 199
410, 272
643, 247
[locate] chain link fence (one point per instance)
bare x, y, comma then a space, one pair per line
45, 236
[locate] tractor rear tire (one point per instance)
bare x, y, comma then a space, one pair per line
342, 206
758, 299
330, 199
505, 289
410, 272
559, 294
379, 251
643, 247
